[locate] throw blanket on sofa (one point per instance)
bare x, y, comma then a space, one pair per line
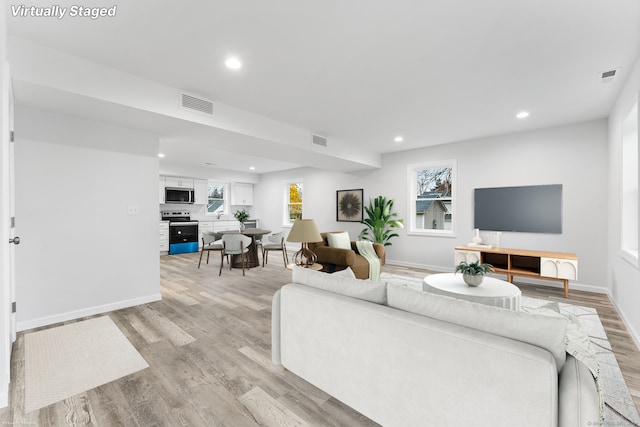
366, 250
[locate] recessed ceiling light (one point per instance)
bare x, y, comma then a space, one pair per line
160, 155
252, 168
398, 139
233, 63
522, 114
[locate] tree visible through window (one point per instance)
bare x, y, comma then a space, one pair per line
294, 206
215, 200
431, 195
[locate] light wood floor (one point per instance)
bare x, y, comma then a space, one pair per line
208, 346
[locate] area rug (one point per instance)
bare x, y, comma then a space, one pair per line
66, 360
620, 409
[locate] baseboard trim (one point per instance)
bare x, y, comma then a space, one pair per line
632, 331
4, 397
89, 311
421, 266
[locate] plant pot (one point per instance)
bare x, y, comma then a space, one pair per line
472, 280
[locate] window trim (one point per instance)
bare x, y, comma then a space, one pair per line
225, 205
629, 214
411, 198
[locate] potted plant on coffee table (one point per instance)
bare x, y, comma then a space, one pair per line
473, 273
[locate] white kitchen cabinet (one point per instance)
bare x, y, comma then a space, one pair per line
226, 225
241, 194
201, 190
204, 226
178, 182
161, 190
164, 236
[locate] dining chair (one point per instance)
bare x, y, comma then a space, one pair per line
277, 244
210, 242
235, 244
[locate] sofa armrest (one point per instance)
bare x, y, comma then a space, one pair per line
578, 397
337, 256
378, 247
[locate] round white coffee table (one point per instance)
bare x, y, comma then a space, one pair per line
492, 291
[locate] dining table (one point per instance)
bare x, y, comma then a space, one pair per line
252, 255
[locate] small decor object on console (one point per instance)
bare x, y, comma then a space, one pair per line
476, 238
473, 273
304, 231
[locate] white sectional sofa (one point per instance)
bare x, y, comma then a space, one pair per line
407, 358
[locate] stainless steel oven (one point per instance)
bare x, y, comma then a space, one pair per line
251, 223
183, 232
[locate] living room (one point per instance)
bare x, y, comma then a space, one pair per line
91, 158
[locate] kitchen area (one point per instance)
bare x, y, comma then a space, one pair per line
185, 211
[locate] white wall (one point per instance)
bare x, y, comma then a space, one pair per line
574, 156
81, 253
624, 277
319, 198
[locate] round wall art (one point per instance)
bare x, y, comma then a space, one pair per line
349, 205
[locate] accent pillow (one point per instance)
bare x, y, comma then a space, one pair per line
542, 331
339, 240
362, 289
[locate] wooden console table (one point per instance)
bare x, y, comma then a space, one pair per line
556, 266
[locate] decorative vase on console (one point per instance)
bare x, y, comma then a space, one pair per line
476, 238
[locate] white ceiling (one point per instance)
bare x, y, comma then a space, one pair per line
358, 71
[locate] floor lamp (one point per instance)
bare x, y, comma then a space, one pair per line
304, 231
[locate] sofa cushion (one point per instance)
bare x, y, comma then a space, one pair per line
347, 272
339, 240
362, 289
542, 331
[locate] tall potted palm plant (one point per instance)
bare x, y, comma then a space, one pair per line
380, 221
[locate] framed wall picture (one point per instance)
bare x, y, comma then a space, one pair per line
349, 205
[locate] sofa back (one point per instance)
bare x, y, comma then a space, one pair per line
401, 368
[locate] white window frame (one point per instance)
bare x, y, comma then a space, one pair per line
225, 204
286, 219
412, 183
629, 199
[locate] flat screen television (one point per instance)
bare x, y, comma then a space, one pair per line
529, 209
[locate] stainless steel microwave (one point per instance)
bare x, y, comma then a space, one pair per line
178, 195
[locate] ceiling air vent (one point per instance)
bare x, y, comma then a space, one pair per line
608, 76
318, 140
190, 102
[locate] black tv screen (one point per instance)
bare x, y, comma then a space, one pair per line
530, 209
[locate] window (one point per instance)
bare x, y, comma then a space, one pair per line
216, 199
431, 198
630, 186
294, 201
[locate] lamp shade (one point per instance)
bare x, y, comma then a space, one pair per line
304, 230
